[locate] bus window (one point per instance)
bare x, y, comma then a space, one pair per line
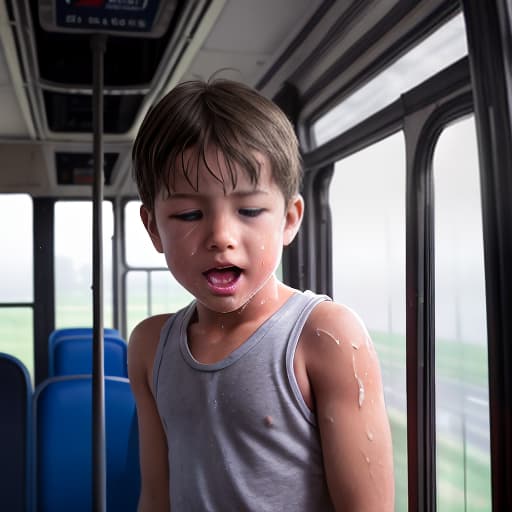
462, 404
444, 47
139, 251
367, 200
73, 263
150, 287
16, 271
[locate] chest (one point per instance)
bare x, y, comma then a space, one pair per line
246, 395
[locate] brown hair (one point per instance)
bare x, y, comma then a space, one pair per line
229, 115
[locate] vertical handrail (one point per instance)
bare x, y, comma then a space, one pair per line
98, 44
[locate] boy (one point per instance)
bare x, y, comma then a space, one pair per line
255, 397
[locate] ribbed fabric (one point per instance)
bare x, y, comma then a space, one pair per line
239, 433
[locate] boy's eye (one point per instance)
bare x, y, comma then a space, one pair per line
250, 212
188, 216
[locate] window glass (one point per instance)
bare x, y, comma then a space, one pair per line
444, 47
167, 295
152, 292
367, 200
16, 278
17, 334
16, 258
73, 263
462, 402
139, 250
137, 293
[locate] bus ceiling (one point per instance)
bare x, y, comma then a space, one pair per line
46, 78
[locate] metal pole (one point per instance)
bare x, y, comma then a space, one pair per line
98, 44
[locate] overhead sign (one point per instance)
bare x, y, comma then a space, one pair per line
143, 18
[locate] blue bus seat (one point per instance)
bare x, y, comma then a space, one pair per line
72, 355
15, 427
63, 445
76, 331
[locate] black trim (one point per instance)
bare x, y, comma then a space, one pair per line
330, 39
390, 119
297, 41
288, 100
374, 128
489, 39
420, 313
399, 11
293, 262
318, 230
10, 12
44, 279
420, 304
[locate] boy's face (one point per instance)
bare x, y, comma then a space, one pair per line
221, 243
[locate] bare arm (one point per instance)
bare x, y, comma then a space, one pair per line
345, 380
154, 496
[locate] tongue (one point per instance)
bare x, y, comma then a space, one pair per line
222, 277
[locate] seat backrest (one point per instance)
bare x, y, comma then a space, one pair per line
15, 426
63, 445
76, 331
72, 355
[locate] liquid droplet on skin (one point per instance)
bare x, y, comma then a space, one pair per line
361, 392
243, 307
365, 457
269, 422
330, 419
262, 247
369, 435
189, 232
360, 385
323, 331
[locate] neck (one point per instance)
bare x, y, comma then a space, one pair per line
256, 310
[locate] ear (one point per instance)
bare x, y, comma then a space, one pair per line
293, 219
148, 219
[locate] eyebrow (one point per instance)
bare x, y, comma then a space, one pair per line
236, 193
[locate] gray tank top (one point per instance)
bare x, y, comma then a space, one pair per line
240, 436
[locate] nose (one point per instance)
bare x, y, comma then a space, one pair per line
222, 233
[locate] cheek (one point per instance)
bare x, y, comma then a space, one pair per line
269, 250
181, 244
267, 245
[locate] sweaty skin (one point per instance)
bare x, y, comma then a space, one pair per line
212, 239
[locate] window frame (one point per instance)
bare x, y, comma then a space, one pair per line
421, 113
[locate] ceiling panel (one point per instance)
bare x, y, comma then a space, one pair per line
12, 120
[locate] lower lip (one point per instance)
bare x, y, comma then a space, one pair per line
223, 289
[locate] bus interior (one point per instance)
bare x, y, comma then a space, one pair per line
392, 100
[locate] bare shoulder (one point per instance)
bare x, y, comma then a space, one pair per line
142, 348
339, 327
338, 351
344, 375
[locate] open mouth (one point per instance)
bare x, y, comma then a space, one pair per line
223, 279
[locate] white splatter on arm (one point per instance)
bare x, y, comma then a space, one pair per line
344, 374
